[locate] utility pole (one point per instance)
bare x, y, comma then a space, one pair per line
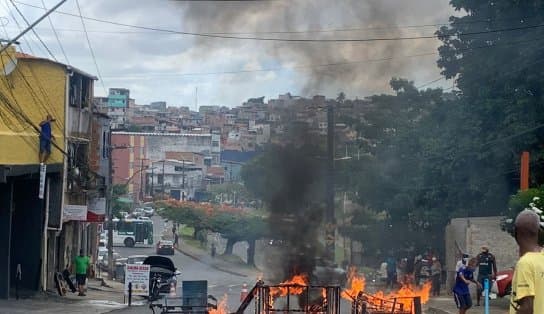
110, 209
152, 192
183, 180
163, 178
141, 196
330, 220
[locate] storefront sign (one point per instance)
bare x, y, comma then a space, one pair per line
138, 275
97, 210
75, 212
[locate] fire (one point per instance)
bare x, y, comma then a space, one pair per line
356, 283
402, 297
222, 307
301, 280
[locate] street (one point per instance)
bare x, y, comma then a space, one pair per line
219, 283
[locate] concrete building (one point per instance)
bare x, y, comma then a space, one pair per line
118, 106
178, 179
37, 234
129, 162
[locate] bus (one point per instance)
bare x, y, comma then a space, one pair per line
130, 232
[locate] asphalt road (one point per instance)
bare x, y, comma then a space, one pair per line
220, 284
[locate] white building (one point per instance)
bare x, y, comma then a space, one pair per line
179, 179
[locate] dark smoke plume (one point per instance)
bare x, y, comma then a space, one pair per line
294, 15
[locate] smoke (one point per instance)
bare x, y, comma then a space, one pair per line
295, 204
381, 16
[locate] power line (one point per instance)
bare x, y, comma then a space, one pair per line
347, 29
308, 40
56, 35
429, 83
33, 31
90, 47
18, 26
332, 64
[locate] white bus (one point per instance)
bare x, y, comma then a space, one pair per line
131, 232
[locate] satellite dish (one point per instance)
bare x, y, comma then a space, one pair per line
9, 61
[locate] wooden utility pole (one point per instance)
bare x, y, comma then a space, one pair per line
524, 177
330, 220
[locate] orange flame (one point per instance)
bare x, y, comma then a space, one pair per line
222, 307
356, 283
402, 297
280, 291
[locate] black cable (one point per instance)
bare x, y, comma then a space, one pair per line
90, 47
56, 35
33, 30
208, 35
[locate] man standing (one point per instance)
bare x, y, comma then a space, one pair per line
528, 281
461, 292
45, 138
487, 269
81, 265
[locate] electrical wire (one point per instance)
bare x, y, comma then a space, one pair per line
90, 47
431, 82
33, 31
308, 40
348, 29
56, 35
18, 26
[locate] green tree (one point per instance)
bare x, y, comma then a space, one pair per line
119, 190
530, 199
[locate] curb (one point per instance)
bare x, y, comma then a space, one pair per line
228, 271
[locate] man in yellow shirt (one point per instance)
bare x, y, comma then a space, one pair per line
528, 282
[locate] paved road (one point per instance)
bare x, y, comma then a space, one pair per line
219, 283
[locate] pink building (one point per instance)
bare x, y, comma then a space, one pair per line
129, 162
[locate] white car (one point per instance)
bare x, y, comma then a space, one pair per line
136, 259
149, 211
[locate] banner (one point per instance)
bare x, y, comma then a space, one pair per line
138, 275
97, 210
75, 212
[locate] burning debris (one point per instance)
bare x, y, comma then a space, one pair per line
298, 295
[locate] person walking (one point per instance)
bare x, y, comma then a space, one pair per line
81, 265
46, 135
487, 269
528, 281
461, 292
436, 272
176, 240
391, 272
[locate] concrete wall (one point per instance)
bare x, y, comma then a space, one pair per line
469, 234
158, 145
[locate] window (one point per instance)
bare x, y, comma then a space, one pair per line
215, 144
178, 168
160, 178
104, 145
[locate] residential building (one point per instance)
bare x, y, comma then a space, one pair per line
118, 105
129, 162
179, 179
37, 234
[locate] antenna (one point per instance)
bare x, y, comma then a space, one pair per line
196, 99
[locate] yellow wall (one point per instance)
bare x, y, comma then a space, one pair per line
19, 145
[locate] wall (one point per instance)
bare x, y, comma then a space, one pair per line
47, 96
159, 144
128, 158
469, 234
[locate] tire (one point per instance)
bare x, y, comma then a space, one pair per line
129, 242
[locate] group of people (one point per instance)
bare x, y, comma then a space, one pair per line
417, 270
528, 280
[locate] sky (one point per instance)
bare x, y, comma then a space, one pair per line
188, 70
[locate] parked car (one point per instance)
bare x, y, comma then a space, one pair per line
163, 274
136, 259
149, 211
104, 262
165, 247
137, 212
502, 286
102, 251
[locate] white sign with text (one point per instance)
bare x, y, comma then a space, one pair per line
138, 275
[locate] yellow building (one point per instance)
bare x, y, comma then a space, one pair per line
30, 89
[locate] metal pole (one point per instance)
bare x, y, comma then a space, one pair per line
141, 196
329, 212
110, 210
163, 178
183, 180
486, 296
14, 40
152, 193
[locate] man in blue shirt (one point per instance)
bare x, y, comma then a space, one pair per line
45, 138
461, 292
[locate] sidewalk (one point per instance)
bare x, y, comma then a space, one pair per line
446, 305
99, 299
